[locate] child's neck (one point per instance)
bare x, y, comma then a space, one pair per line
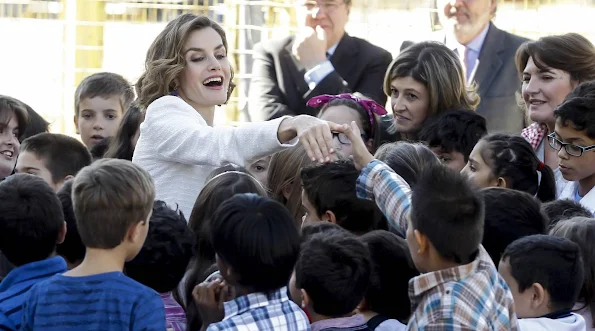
314, 317
368, 314
585, 185
99, 261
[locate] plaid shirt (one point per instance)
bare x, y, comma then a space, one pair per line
534, 134
262, 312
468, 297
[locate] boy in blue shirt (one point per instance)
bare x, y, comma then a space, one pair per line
31, 225
574, 139
112, 202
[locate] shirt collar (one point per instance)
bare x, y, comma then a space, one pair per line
251, 301
339, 323
475, 45
47, 267
332, 50
426, 282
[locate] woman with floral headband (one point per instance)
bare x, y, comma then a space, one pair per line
346, 108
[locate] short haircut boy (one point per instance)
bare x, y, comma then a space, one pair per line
331, 187
162, 261
450, 212
391, 270
553, 262
72, 248
31, 219
251, 223
62, 155
109, 196
105, 85
334, 270
564, 209
454, 131
509, 215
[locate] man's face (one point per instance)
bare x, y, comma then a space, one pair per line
330, 15
466, 18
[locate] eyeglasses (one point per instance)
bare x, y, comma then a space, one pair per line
327, 6
571, 149
343, 138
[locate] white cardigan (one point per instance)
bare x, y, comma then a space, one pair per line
179, 149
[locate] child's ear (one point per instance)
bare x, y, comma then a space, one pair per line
287, 191
370, 145
306, 301
501, 182
76, 124
62, 234
422, 241
329, 216
136, 233
539, 296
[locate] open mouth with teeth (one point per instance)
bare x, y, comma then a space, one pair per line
7, 153
213, 82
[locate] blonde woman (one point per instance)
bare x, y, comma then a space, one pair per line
187, 74
425, 80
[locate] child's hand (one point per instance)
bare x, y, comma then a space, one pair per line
209, 297
361, 155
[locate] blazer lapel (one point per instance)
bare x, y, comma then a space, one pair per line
296, 69
490, 61
344, 57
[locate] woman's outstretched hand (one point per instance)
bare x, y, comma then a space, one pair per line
361, 155
314, 134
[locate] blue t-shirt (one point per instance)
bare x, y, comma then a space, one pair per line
14, 288
109, 301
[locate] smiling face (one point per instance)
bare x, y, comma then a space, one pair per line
410, 102
98, 118
9, 146
330, 15
205, 79
467, 18
543, 90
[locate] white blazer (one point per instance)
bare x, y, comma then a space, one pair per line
179, 149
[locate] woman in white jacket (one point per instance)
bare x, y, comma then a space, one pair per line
187, 74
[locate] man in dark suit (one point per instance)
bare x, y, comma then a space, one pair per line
320, 59
488, 55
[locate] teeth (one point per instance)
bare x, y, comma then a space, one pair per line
214, 79
7, 153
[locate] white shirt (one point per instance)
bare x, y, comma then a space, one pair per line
567, 190
574, 322
179, 149
315, 75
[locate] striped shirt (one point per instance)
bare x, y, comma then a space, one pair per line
467, 297
262, 312
108, 301
17, 283
175, 316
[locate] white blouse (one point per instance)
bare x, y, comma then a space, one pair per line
179, 149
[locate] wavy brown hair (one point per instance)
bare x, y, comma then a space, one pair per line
165, 59
569, 52
439, 69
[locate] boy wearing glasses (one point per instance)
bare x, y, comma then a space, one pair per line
574, 139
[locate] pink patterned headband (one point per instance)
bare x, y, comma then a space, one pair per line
371, 106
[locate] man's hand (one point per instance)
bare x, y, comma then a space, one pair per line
309, 47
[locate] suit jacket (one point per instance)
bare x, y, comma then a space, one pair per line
498, 82
278, 86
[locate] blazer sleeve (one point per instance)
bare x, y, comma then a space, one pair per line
174, 131
265, 98
369, 86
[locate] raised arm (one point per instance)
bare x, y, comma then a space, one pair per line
380, 183
174, 131
370, 86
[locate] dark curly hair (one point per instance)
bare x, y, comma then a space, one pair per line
162, 261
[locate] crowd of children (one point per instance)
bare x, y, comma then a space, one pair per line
458, 229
